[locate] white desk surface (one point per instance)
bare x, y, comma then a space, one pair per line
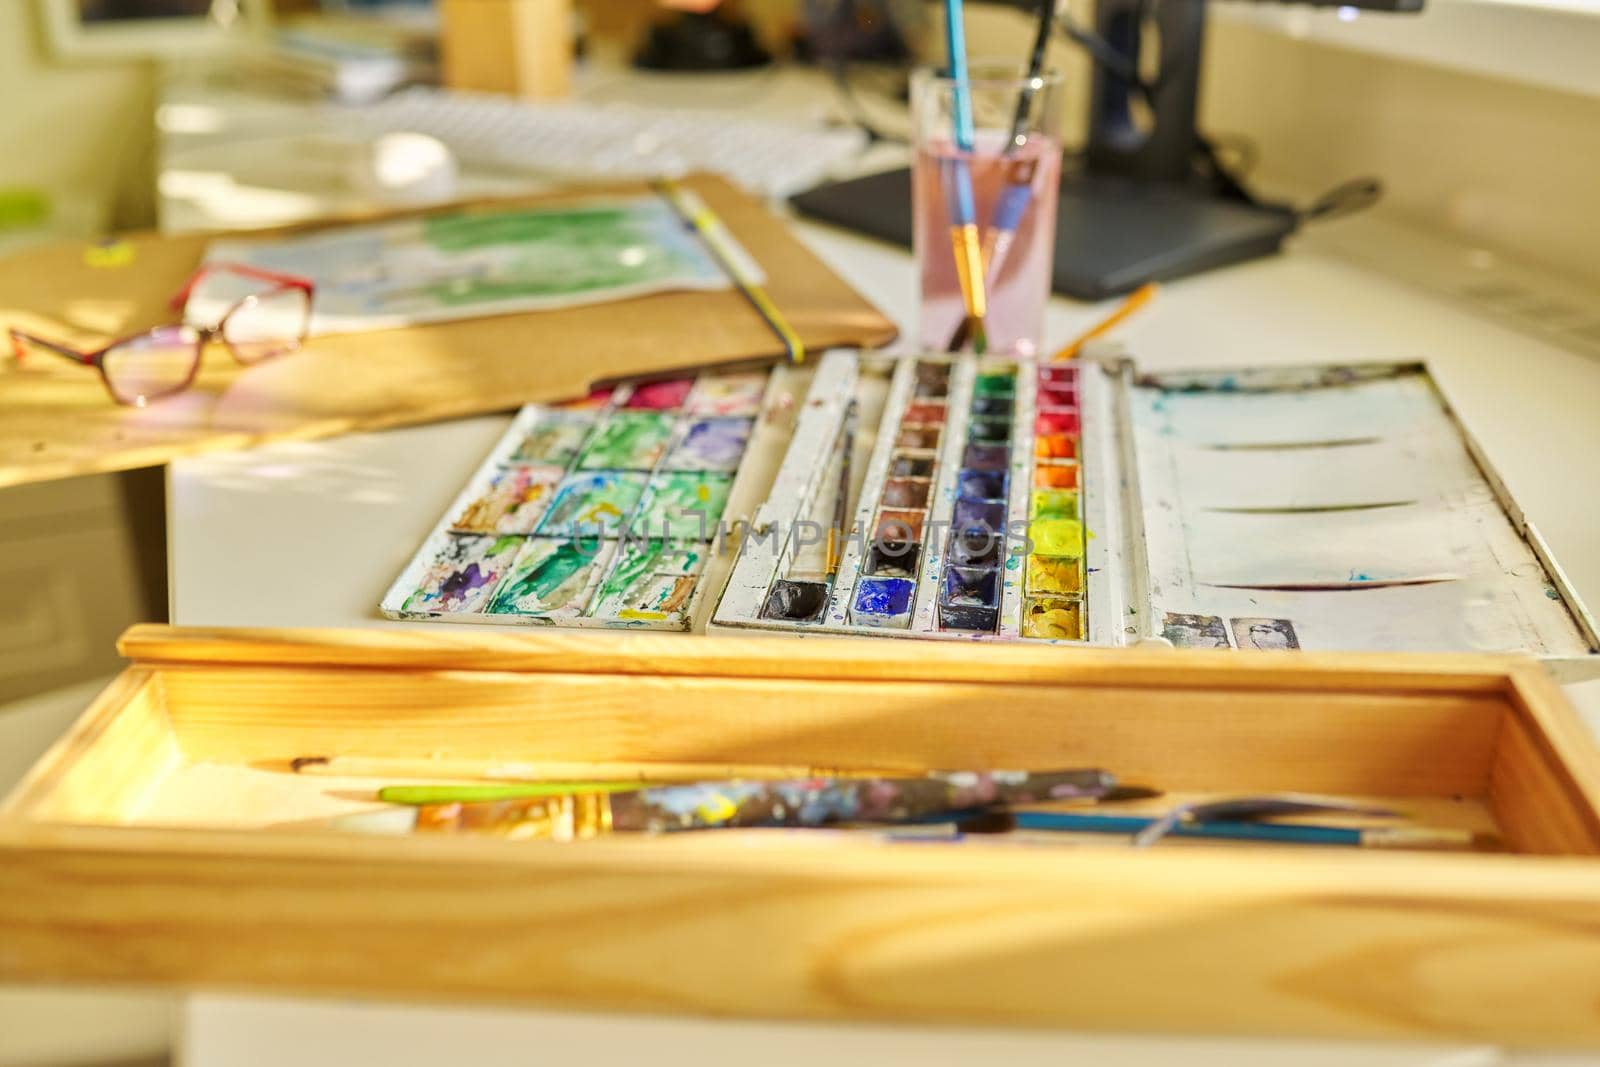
311, 534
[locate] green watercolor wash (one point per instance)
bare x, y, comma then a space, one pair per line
637, 562
547, 576
629, 441
555, 252
556, 441
592, 504
683, 504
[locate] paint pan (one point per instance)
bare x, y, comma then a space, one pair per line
796, 600
1053, 619
1057, 421
552, 577
995, 384
892, 559
1055, 446
555, 440
899, 525
628, 440
461, 574
1053, 576
978, 516
993, 407
728, 394
905, 465
650, 580
1055, 474
1054, 504
512, 502
976, 548
986, 431
659, 396
596, 503
1056, 537
981, 484
710, 445
884, 602
918, 438
906, 493
986, 457
969, 599
683, 505
1057, 396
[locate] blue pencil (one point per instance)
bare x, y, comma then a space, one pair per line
1285, 833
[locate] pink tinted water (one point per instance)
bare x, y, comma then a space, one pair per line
1019, 285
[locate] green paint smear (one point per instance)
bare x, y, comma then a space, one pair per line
551, 581
675, 502
556, 253
628, 440
636, 562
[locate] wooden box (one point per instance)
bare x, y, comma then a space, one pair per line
165, 841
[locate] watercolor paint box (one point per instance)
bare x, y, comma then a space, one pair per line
599, 513
165, 841
994, 500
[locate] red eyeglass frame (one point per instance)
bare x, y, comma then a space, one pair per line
95, 358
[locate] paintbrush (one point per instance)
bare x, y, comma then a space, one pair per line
741, 269
965, 240
804, 599
1019, 173
1134, 301
466, 770
416, 795
1018, 191
841, 499
1282, 833
713, 805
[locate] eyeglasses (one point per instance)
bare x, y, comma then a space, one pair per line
164, 360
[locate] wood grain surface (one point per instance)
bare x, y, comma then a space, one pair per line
56, 419
98, 883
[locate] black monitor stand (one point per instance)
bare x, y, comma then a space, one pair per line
1144, 203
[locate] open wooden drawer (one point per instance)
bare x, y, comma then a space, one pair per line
164, 840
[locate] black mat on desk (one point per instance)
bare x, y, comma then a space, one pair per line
1112, 234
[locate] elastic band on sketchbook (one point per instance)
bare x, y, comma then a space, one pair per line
731, 256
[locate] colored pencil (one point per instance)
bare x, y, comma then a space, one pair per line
744, 272
414, 795
1123, 311
1285, 833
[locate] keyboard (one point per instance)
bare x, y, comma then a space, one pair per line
616, 141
